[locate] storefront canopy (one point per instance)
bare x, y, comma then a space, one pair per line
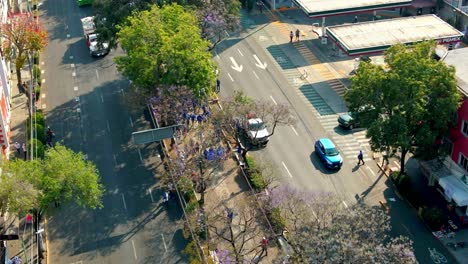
323, 8
456, 189
378, 36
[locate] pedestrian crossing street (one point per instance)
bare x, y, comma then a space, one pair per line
349, 142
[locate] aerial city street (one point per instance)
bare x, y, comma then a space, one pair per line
303, 131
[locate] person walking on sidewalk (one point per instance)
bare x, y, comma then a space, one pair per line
297, 34
25, 151
18, 148
360, 158
264, 246
291, 35
260, 6
218, 85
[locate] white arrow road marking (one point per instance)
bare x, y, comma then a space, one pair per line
284, 165
259, 63
235, 65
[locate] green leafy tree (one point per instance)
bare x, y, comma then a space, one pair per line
409, 103
17, 193
164, 46
62, 176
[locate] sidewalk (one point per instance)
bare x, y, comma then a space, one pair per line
26, 246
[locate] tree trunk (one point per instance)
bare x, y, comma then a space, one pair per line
19, 78
404, 151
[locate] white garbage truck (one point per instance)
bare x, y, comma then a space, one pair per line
95, 48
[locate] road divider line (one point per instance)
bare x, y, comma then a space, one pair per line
139, 153
151, 195
134, 250
273, 100
131, 121
256, 76
344, 203
164, 242
123, 199
122, 91
97, 74
102, 99
115, 159
295, 132
108, 126
287, 170
230, 77
240, 52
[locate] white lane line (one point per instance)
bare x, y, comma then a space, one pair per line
75, 88
139, 153
97, 74
230, 77
271, 97
123, 92
295, 132
344, 203
151, 195
289, 173
164, 242
108, 126
73, 74
240, 52
256, 76
131, 121
134, 250
371, 171
115, 159
123, 199
102, 99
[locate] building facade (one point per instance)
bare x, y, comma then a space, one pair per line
5, 90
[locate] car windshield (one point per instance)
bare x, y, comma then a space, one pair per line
256, 126
331, 152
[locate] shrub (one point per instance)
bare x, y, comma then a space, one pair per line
277, 221
401, 180
434, 217
191, 206
36, 58
38, 117
255, 175
40, 134
36, 73
37, 92
37, 145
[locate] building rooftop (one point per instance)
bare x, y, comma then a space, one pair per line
376, 36
458, 58
320, 8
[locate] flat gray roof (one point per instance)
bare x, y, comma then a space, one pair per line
377, 36
321, 8
458, 58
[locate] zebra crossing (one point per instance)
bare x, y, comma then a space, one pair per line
349, 142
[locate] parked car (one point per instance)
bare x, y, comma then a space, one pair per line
328, 154
347, 121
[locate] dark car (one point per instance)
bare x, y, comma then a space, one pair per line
347, 121
328, 154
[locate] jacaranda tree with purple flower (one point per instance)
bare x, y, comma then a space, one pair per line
322, 230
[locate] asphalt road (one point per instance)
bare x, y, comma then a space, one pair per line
83, 98
291, 149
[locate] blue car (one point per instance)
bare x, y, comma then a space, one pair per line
328, 154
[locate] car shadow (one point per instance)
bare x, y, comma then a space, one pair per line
318, 164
